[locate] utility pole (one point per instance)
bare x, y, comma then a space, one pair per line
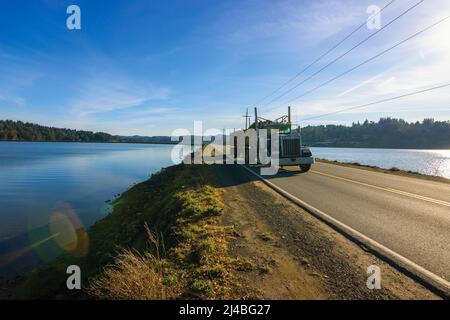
289, 115
247, 120
224, 146
257, 134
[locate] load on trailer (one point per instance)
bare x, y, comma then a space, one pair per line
291, 150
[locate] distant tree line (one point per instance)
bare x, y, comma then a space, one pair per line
386, 133
24, 131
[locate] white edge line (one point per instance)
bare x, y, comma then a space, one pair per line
425, 275
403, 193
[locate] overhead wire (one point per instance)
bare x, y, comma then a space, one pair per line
348, 51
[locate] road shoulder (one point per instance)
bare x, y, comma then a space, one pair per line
292, 255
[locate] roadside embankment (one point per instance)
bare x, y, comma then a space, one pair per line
163, 240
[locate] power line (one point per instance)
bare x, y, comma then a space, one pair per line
347, 52
369, 60
321, 56
379, 101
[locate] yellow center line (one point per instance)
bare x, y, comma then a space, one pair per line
403, 193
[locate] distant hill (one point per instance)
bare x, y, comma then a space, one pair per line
386, 133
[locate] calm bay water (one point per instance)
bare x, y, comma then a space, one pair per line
41, 183
431, 162
41, 180
36, 177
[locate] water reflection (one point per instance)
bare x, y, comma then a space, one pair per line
51, 192
431, 162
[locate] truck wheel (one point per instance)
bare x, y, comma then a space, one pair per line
305, 167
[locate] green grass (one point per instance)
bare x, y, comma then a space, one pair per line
202, 287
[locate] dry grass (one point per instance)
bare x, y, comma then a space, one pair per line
266, 236
132, 276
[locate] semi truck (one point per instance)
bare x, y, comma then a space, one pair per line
292, 152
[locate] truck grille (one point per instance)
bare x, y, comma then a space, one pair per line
291, 148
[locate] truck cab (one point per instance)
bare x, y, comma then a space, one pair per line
293, 153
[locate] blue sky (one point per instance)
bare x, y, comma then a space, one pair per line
149, 67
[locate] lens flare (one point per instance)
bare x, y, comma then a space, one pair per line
71, 236
66, 232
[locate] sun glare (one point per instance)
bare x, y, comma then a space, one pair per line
437, 38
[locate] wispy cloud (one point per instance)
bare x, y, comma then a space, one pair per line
104, 94
16, 75
360, 85
291, 23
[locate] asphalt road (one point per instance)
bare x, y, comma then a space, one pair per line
408, 215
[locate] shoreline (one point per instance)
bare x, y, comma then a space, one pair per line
379, 148
90, 142
394, 170
175, 143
